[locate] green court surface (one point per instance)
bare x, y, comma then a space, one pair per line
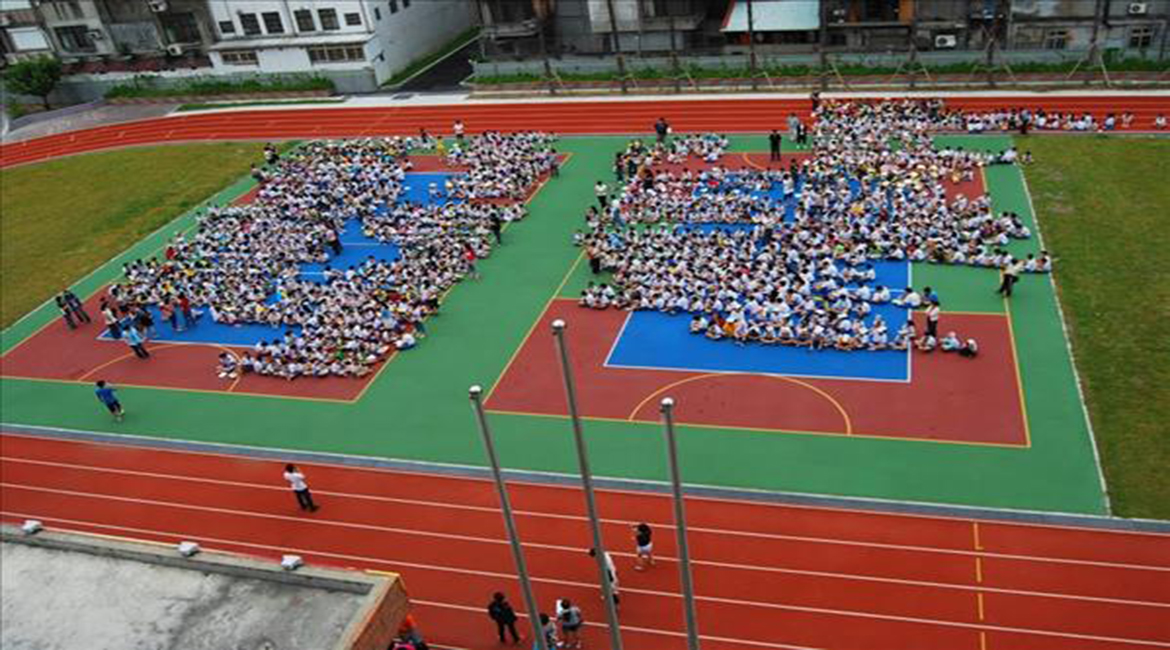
418, 407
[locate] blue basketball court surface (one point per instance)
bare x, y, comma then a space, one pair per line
656, 340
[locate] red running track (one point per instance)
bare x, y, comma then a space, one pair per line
726, 115
767, 576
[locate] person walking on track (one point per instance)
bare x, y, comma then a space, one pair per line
105, 394
300, 488
610, 574
643, 547
500, 611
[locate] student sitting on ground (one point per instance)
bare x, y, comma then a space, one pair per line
911, 299
970, 349
927, 343
227, 366
951, 343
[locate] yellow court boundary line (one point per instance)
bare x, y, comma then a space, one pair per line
836, 404
1019, 376
536, 321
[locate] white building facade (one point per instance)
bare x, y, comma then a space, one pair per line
365, 37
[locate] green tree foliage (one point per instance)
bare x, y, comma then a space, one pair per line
37, 76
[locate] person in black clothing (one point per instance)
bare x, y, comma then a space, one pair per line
661, 129
497, 228
66, 312
500, 611
774, 145
75, 305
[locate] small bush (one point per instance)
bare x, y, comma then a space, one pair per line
149, 86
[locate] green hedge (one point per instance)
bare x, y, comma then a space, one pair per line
150, 86
729, 72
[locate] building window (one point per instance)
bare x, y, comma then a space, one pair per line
328, 19
336, 53
75, 38
68, 10
393, 6
250, 23
304, 19
180, 28
272, 22
227, 27
1141, 37
353, 20
377, 14
239, 57
1056, 39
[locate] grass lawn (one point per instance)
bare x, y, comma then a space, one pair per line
1102, 205
63, 218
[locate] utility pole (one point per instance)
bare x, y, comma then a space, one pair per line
752, 45
617, 45
823, 45
1094, 56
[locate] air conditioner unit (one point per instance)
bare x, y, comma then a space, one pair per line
157, 6
175, 50
945, 41
1138, 8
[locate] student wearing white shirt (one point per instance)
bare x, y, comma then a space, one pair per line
611, 573
296, 480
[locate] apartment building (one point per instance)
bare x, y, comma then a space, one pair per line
795, 26
322, 36
358, 43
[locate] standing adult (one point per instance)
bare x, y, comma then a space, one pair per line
76, 305
661, 130
793, 126
188, 313
610, 574
145, 322
571, 621
106, 395
933, 311
300, 488
500, 611
136, 341
66, 312
497, 227
1010, 275
111, 319
774, 145
458, 128
601, 191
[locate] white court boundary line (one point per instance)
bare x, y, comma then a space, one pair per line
529, 479
700, 529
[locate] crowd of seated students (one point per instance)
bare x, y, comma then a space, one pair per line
501, 165
873, 189
242, 263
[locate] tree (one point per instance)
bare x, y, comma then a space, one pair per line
37, 76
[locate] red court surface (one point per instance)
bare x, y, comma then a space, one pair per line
723, 115
766, 576
950, 399
56, 353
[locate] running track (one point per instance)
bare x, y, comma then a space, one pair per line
725, 115
768, 576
